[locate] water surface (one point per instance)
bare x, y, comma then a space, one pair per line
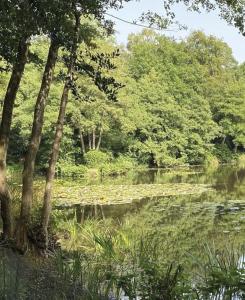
184, 226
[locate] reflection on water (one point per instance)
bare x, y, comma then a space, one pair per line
228, 182
183, 225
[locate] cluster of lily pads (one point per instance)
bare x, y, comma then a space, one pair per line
122, 194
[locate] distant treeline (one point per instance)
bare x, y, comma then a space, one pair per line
176, 103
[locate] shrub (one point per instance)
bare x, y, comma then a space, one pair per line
13, 169
119, 166
96, 158
211, 161
241, 160
70, 170
223, 153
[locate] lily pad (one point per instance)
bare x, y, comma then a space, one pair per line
122, 194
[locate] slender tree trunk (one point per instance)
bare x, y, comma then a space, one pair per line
82, 141
47, 205
100, 138
52, 163
89, 141
93, 138
30, 157
7, 113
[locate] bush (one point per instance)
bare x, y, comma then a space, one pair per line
223, 153
241, 160
13, 169
96, 158
211, 161
119, 166
70, 170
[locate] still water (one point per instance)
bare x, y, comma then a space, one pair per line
186, 226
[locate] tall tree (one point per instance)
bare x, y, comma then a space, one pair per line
106, 84
30, 157
61, 24
17, 21
168, 80
59, 130
58, 27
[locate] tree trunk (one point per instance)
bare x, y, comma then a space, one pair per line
93, 138
30, 157
6, 209
100, 138
89, 141
47, 206
52, 163
82, 141
7, 113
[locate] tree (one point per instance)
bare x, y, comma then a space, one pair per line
168, 88
27, 187
60, 34
231, 11
223, 87
93, 113
103, 84
59, 130
58, 26
17, 20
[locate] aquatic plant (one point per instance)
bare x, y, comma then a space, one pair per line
113, 271
224, 271
119, 194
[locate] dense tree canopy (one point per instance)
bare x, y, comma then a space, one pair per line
179, 102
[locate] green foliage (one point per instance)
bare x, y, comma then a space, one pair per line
211, 162
223, 272
70, 170
113, 264
180, 102
241, 160
96, 158
120, 165
169, 89
231, 11
223, 153
96, 163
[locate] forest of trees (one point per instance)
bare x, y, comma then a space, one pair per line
179, 103
67, 88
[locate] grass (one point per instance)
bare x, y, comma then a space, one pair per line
100, 260
109, 271
107, 262
223, 273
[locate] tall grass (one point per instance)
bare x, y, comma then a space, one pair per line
105, 264
102, 264
222, 276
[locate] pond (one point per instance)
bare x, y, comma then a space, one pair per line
188, 229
